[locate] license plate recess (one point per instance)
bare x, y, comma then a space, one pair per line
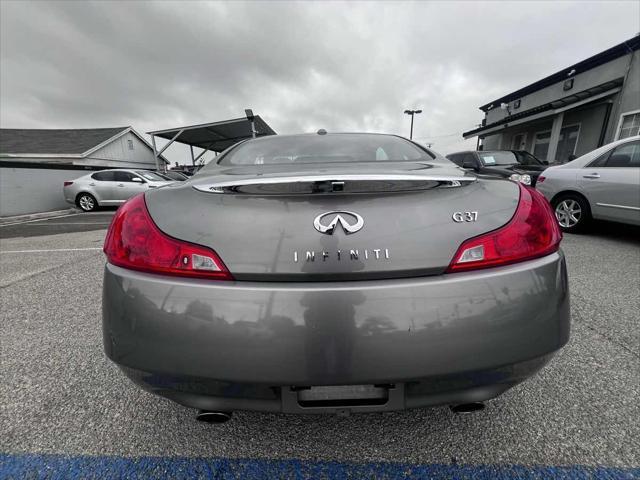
337, 397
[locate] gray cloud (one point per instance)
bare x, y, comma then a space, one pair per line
302, 66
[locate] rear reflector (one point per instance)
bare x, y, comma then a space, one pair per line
134, 241
532, 232
66, 184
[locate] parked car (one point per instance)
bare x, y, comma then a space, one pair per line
173, 176
603, 184
186, 170
333, 273
109, 187
191, 170
516, 165
161, 175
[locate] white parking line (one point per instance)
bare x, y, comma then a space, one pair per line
52, 250
67, 223
58, 216
38, 220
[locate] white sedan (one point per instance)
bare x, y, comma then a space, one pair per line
110, 187
603, 184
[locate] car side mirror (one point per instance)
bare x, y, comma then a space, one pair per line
469, 165
545, 162
137, 180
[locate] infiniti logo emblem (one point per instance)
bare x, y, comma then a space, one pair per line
350, 222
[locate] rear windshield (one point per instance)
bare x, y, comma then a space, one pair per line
498, 158
343, 148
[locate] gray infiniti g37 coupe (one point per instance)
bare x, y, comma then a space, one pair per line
333, 273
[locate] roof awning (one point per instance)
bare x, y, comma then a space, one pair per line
547, 109
216, 136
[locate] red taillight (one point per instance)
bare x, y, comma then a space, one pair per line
541, 179
532, 232
66, 184
134, 241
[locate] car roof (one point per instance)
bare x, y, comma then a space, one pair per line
130, 170
429, 151
483, 151
306, 134
593, 154
315, 134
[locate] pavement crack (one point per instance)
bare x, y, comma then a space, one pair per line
580, 319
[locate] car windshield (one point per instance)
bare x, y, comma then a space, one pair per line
497, 158
525, 158
152, 177
343, 148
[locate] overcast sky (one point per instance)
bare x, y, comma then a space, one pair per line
301, 66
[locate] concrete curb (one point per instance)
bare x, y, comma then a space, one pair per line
37, 216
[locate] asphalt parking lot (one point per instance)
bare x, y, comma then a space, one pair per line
68, 412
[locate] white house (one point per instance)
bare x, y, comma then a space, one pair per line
34, 163
120, 147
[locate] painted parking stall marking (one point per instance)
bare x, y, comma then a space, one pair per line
37, 220
71, 223
53, 250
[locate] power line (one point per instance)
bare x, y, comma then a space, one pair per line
443, 135
439, 136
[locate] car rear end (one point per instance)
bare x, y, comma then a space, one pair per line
69, 191
244, 290
71, 188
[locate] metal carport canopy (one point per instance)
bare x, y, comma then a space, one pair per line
216, 136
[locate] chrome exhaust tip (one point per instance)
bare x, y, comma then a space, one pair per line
207, 416
467, 408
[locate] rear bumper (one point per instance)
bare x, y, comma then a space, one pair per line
545, 190
69, 197
243, 345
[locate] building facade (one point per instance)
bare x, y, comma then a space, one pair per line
569, 113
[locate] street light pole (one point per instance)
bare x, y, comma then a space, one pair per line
411, 131
412, 113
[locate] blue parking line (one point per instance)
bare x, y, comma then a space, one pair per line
56, 467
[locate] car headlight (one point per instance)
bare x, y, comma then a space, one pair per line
524, 179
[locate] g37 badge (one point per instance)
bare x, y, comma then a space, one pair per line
460, 217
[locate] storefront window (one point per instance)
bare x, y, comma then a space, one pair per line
541, 144
567, 142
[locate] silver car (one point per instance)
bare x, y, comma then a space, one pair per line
603, 184
110, 187
333, 273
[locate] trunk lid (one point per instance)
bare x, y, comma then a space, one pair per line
333, 222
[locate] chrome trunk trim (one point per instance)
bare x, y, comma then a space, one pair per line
231, 186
